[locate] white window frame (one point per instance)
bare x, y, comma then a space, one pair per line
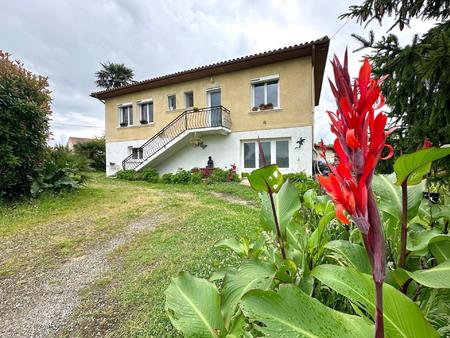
140, 155
170, 108
142, 103
264, 80
273, 152
129, 113
185, 98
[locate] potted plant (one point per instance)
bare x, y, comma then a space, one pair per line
123, 124
262, 106
195, 109
269, 105
143, 121
255, 108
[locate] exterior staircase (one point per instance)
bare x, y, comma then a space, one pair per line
190, 121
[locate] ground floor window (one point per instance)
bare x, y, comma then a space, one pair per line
138, 153
275, 152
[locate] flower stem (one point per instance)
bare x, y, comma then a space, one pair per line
277, 225
379, 324
404, 233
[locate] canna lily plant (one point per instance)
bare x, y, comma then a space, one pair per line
360, 139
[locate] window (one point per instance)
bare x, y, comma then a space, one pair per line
189, 98
138, 153
249, 155
275, 152
265, 92
282, 150
146, 110
126, 115
172, 102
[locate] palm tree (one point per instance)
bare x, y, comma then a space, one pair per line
114, 75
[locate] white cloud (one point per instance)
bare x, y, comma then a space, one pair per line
66, 41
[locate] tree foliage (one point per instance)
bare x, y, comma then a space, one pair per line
95, 151
114, 75
418, 82
24, 129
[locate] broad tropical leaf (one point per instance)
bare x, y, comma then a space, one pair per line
437, 277
291, 313
391, 196
402, 317
239, 247
287, 203
264, 178
441, 250
250, 275
435, 305
419, 240
414, 166
316, 236
349, 254
193, 305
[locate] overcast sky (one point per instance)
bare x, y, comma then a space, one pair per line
67, 39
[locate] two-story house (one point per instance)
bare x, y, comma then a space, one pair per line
220, 110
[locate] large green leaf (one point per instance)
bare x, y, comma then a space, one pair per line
349, 254
193, 305
287, 203
441, 250
264, 178
402, 317
391, 196
250, 275
437, 277
316, 236
435, 305
419, 240
291, 313
414, 166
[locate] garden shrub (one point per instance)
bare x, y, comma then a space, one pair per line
182, 177
56, 178
129, 175
302, 182
218, 175
150, 174
63, 157
93, 150
167, 178
24, 129
196, 178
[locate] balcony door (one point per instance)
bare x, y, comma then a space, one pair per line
214, 101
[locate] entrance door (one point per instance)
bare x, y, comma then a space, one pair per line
214, 101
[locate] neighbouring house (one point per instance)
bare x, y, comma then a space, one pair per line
220, 110
76, 140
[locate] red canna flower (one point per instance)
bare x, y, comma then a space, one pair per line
360, 139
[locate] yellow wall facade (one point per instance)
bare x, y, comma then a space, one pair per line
295, 95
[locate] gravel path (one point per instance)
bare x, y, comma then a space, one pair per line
38, 305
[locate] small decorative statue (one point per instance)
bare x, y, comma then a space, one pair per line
210, 164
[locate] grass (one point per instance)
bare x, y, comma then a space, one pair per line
129, 300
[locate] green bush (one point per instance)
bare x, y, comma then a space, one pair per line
218, 175
55, 178
129, 175
302, 182
63, 157
24, 128
150, 174
182, 177
167, 178
93, 150
196, 178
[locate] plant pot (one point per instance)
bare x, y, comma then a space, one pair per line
255, 108
124, 124
269, 106
143, 122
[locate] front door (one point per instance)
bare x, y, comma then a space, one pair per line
215, 104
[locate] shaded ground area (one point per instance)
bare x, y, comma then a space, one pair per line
96, 263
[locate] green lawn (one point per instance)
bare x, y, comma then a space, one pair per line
129, 299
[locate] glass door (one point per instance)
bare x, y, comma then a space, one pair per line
214, 102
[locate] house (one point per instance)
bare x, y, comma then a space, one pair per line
219, 110
75, 140
329, 153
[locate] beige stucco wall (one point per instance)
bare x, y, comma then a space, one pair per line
296, 101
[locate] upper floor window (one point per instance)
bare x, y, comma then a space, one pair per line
126, 115
172, 102
265, 93
189, 98
146, 112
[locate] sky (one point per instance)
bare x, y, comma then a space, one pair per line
66, 40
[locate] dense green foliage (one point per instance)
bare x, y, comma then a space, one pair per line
302, 182
150, 174
418, 84
113, 75
24, 115
63, 157
93, 150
